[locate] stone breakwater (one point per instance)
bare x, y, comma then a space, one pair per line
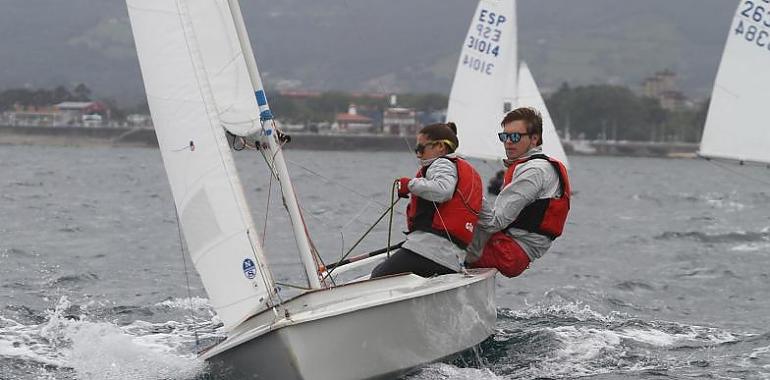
77, 136
90, 136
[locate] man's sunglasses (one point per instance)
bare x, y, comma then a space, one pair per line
513, 136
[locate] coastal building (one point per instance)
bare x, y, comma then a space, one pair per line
662, 86
138, 120
352, 122
65, 114
30, 116
81, 113
399, 121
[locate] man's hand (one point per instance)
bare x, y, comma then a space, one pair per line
403, 187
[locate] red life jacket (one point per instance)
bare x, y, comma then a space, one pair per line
454, 219
543, 216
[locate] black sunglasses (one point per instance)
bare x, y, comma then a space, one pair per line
420, 148
513, 136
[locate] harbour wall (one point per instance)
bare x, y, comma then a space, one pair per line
145, 137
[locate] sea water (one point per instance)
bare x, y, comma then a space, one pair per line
663, 271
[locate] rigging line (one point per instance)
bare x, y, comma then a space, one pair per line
355, 217
735, 172
293, 286
409, 148
390, 218
273, 174
316, 256
370, 200
336, 183
186, 275
314, 251
329, 273
267, 210
448, 236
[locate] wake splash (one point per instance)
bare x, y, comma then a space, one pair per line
558, 339
569, 340
73, 347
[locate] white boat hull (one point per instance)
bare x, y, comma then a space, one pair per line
373, 329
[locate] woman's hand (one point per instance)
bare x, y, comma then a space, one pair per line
403, 187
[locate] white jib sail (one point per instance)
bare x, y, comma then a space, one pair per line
738, 126
487, 60
192, 95
529, 96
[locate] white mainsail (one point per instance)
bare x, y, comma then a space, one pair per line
529, 96
196, 84
737, 126
488, 61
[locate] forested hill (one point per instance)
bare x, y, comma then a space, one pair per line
380, 45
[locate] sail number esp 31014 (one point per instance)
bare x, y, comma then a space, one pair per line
484, 38
754, 23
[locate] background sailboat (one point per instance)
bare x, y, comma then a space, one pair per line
489, 82
202, 81
737, 126
529, 95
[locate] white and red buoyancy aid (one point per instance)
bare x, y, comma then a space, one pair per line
456, 218
544, 216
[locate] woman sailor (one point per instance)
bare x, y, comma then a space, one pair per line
446, 195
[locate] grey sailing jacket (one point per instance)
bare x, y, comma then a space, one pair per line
533, 180
438, 185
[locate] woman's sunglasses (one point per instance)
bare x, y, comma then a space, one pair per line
420, 148
513, 136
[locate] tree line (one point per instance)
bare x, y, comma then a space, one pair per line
617, 113
42, 97
591, 112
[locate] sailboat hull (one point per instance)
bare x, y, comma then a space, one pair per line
369, 330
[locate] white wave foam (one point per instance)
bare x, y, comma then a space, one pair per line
652, 337
576, 310
442, 371
104, 351
721, 201
760, 352
582, 351
583, 344
725, 205
101, 350
192, 303
661, 335
588, 343
751, 247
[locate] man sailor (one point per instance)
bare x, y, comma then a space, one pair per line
532, 207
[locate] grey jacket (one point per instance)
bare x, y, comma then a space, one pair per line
532, 180
438, 185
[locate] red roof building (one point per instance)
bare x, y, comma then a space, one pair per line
352, 122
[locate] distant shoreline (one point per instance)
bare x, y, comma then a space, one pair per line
145, 137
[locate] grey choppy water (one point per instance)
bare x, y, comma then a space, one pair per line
663, 271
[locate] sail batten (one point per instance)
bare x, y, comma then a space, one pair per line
737, 127
189, 54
